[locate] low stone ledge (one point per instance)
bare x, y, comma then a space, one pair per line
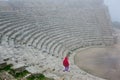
2, 64
6, 76
19, 68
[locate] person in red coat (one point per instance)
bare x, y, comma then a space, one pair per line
66, 63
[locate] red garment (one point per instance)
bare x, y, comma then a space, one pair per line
66, 62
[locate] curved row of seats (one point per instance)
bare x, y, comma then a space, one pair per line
17, 33
12, 30
54, 39
43, 39
8, 29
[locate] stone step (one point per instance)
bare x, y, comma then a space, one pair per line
6, 76
35, 69
19, 67
2, 64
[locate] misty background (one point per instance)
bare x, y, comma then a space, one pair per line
113, 6
114, 9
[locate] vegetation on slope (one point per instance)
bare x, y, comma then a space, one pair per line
20, 75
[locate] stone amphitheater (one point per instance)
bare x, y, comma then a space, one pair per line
37, 34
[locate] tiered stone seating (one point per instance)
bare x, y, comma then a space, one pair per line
41, 63
39, 32
68, 44
17, 33
25, 33
32, 31
8, 31
57, 33
4, 23
41, 29
50, 36
20, 28
11, 24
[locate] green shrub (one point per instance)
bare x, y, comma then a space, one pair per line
6, 68
38, 77
18, 75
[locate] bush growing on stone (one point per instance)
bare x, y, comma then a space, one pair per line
38, 77
6, 68
18, 75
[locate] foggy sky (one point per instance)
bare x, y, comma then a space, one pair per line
114, 9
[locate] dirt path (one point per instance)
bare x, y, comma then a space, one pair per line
101, 62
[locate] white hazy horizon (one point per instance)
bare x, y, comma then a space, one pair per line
114, 9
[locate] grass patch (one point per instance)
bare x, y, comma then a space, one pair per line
38, 77
18, 75
13, 72
6, 68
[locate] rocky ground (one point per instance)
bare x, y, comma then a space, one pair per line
34, 61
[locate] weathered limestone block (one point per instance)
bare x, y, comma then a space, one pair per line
2, 64
6, 76
19, 67
35, 69
50, 75
6, 59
